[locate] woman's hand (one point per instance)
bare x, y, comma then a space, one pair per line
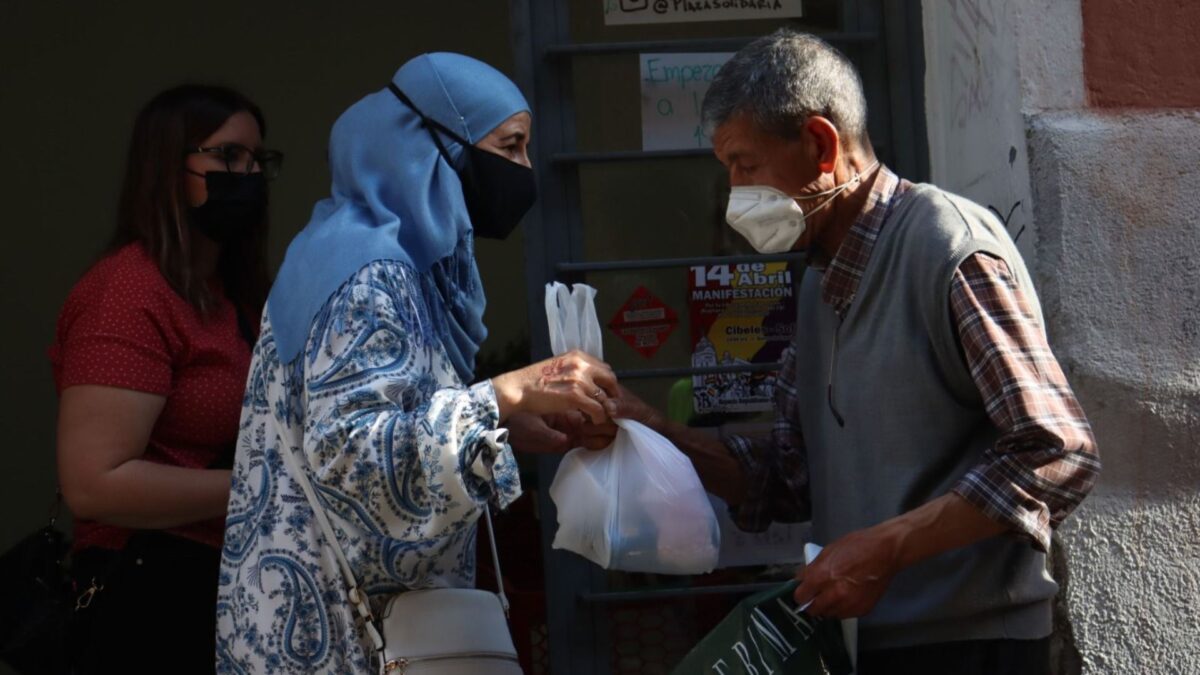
556, 434
574, 381
596, 436
536, 435
583, 432
624, 405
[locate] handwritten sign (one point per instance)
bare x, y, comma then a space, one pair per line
673, 86
625, 12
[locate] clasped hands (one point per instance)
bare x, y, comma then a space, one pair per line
572, 400
564, 402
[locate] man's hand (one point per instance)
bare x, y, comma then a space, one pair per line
852, 573
627, 406
849, 576
624, 406
589, 435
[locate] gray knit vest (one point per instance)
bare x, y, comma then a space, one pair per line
914, 424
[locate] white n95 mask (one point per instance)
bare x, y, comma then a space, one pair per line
770, 219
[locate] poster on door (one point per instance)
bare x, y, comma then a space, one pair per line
627, 12
644, 322
739, 315
673, 87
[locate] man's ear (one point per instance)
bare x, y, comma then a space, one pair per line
825, 140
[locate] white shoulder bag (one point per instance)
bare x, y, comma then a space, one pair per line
447, 631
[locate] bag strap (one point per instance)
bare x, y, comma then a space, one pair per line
357, 597
487, 516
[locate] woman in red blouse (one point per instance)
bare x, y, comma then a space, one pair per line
150, 361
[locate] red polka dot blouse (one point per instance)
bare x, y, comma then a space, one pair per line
124, 326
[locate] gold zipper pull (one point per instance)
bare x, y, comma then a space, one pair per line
85, 599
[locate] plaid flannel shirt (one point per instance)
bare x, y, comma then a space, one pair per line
1045, 461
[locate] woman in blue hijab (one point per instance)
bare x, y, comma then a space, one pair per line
363, 372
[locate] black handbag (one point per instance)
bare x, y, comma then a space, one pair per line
38, 602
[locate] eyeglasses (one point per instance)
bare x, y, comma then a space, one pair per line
240, 159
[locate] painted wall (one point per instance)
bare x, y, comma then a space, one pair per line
1096, 95
973, 109
74, 76
1139, 54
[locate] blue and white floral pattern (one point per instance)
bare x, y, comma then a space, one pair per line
403, 455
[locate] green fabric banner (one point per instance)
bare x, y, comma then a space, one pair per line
768, 634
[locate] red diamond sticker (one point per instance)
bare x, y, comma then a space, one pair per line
644, 322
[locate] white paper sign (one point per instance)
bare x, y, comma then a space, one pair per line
624, 12
780, 543
673, 86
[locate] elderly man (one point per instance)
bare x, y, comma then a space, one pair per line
923, 423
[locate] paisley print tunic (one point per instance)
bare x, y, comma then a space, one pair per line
402, 453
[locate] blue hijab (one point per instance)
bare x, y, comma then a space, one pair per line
394, 197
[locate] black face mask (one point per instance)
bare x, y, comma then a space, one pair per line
236, 204
498, 192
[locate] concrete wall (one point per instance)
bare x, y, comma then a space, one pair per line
1120, 273
1112, 168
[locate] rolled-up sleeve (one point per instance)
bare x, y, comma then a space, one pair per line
1045, 461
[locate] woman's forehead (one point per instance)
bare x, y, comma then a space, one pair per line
519, 123
241, 127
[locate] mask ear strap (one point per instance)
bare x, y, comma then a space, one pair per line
430, 124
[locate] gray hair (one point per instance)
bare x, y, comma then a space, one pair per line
784, 78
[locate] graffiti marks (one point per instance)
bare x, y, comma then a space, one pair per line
972, 71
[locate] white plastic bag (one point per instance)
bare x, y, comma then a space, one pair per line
638, 505
572, 318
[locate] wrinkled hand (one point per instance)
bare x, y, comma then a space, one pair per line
625, 405
574, 381
850, 575
587, 434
